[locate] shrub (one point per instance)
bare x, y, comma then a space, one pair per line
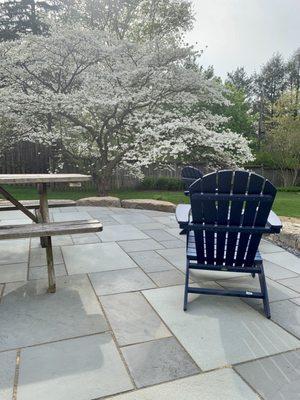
161, 183
289, 189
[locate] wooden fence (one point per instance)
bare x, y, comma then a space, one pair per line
32, 158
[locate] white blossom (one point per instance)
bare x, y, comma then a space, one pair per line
113, 104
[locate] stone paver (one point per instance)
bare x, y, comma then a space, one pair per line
167, 278
29, 315
158, 361
95, 257
150, 261
38, 257
78, 369
132, 319
224, 384
140, 245
14, 251
292, 283
285, 260
159, 234
274, 378
124, 280
296, 301
274, 271
276, 291
73, 338
219, 331
13, 272
123, 232
7, 374
173, 244
268, 247
71, 216
86, 238
287, 314
42, 273
151, 225
176, 257
132, 218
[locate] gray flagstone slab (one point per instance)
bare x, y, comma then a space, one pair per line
167, 278
13, 272
29, 315
140, 245
287, 314
268, 247
42, 272
7, 374
150, 261
132, 318
121, 232
38, 257
123, 280
14, 251
275, 272
219, 331
285, 260
276, 291
158, 361
159, 234
274, 378
223, 384
132, 218
95, 257
292, 283
78, 369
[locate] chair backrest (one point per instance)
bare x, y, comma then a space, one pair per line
189, 175
229, 207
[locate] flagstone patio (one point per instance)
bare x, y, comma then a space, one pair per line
115, 328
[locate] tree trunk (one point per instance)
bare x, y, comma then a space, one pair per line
103, 184
295, 176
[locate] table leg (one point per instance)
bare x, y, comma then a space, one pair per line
46, 241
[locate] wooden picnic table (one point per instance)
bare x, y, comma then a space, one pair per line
45, 229
41, 180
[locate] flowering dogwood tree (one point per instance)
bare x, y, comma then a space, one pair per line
109, 103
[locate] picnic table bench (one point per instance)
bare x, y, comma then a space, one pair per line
42, 226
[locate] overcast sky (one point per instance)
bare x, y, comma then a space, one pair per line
244, 32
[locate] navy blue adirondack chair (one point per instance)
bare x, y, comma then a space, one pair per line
230, 210
189, 175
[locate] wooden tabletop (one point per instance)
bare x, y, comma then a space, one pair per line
42, 178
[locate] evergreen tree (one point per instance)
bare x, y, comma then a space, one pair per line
24, 16
240, 80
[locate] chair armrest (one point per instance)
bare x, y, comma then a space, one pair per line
274, 223
187, 192
182, 215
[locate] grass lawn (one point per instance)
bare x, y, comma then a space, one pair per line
286, 204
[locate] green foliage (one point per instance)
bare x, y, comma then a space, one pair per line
240, 119
161, 183
287, 203
289, 189
240, 81
25, 16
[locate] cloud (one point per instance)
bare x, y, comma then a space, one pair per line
244, 32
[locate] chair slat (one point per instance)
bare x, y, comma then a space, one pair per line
240, 183
255, 187
260, 220
224, 187
209, 216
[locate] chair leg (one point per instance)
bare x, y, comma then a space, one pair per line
50, 266
264, 290
186, 286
